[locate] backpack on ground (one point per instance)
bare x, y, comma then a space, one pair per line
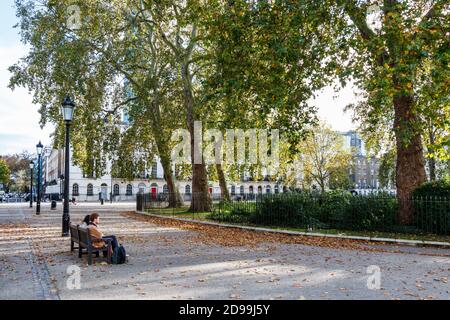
119, 255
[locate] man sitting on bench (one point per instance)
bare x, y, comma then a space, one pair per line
98, 235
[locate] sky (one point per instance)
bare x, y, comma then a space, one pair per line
19, 118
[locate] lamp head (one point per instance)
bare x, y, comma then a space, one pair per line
67, 109
39, 148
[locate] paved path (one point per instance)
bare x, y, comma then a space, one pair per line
171, 263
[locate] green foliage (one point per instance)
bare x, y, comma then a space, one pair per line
386, 171
432, 206
336, 210
233, 212
439, 188
4, 172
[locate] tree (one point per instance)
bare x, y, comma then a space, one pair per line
385, 60
115, 65
4, 172
386, 170
322, 156
19, 176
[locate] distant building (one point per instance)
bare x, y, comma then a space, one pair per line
90, 188
364, 174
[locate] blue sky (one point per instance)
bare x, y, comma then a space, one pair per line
19, 118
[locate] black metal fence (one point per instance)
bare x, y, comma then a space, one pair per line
313, 212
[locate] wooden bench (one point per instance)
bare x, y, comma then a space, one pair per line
74, 237
82, 237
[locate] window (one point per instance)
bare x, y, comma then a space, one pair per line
165, 189
75, 190
129, 190
90, 189
250, 189
277, 189
116, 190
268, 189
259, 189
154, 170
187, 189
142, 188
242, 190
233, 190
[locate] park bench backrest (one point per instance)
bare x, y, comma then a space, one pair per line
84, 236
74, 232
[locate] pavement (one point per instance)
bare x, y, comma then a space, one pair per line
172, 263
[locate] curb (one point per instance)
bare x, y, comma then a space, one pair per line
310, 234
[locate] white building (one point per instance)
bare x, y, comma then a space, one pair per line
85, 189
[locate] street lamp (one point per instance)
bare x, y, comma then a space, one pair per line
67, 112
31, 183
39, 148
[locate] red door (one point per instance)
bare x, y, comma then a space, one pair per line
154, 192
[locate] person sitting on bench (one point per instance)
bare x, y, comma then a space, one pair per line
86, 221
98, 235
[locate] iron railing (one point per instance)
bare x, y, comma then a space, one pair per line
314, 211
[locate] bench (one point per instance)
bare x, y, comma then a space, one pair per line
82, 237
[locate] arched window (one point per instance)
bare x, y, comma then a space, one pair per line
187, 189
259, 189
129, 190
142, 188
277, 188
250, 190
242, 190
268, 189
116, 190
75, 190
165, 189
233, 190
90, 189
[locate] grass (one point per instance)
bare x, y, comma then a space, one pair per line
183, 212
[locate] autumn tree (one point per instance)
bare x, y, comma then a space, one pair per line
4, 172
323, 157
389, 43
99, 54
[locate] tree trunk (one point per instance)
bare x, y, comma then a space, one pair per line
432, 161
161, 142
175, 200
201, 201
222, 182
410, 171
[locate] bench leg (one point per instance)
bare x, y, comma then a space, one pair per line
72, 246
97, 254
80, 252
89, 257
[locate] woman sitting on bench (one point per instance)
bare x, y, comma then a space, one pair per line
98, 235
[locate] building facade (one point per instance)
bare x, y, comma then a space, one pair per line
106, 187
365, 169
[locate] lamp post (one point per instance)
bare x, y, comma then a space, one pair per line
31, 183
67, 111
39, 148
